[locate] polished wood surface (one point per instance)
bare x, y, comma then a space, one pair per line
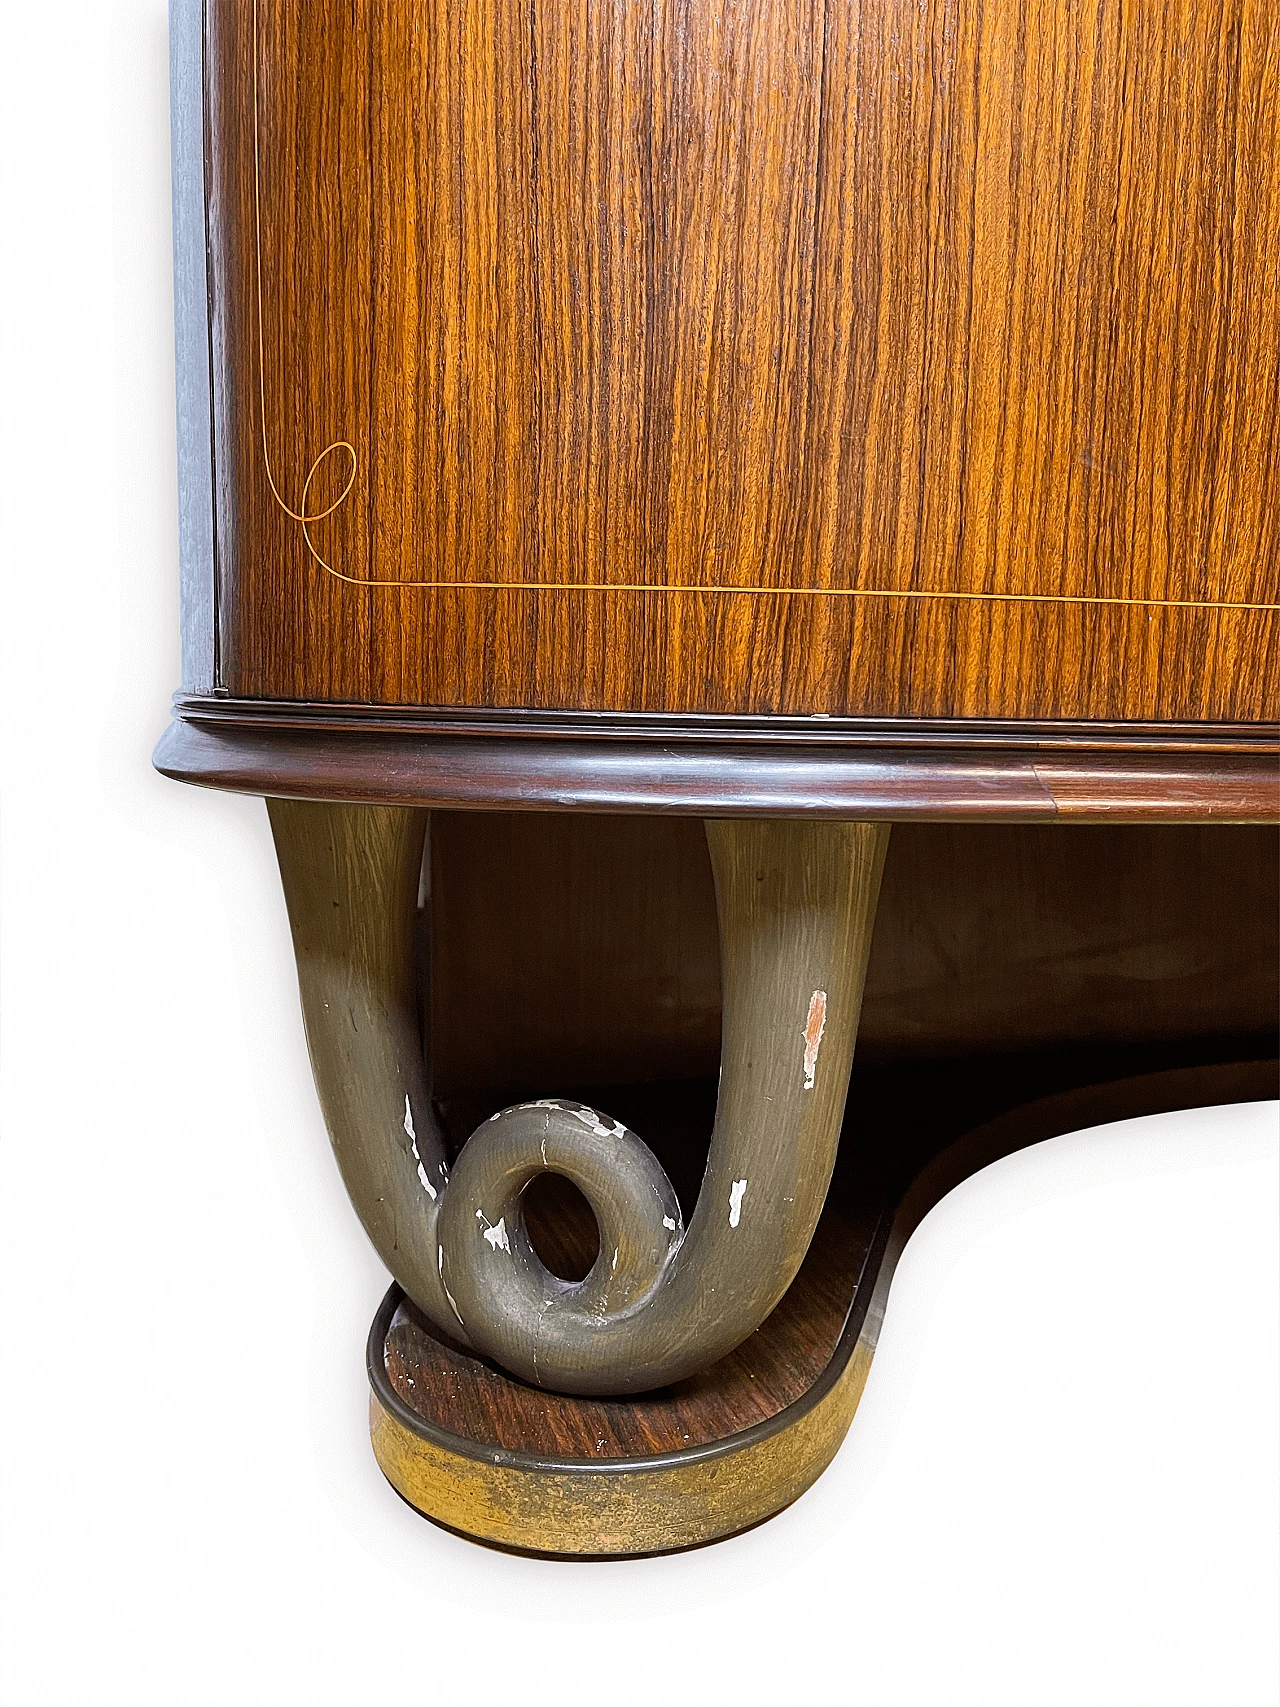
989, 940
973, 305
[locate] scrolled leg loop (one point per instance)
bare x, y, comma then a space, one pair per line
511, 1306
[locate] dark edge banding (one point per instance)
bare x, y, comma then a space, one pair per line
191, 345
806, 729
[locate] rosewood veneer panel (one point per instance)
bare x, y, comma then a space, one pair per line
789, 299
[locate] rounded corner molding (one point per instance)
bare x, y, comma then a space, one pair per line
708, 765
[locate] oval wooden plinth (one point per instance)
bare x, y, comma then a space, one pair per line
504, 1463
482, 1453
591, 1508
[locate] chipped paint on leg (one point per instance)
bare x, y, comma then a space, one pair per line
736, 1195
497, 1236
413, 1145
814, 1026
595, 1123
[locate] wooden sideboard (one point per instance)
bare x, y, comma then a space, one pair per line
794, 417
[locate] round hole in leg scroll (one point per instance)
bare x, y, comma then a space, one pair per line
561, 1226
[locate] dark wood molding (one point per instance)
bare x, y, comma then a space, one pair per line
716, 726
731, 766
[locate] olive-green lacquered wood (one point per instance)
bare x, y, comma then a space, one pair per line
795, 900
351, 879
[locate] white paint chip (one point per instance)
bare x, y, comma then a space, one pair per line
413, 1145
668, 1223
814, 1027
497, 1236
588, 1116
736, 1195
595, 1123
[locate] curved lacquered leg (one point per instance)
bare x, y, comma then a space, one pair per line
796, 899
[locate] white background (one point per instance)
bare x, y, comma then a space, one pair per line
1061, 1486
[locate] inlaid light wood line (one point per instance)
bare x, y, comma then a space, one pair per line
305, 519
301, 515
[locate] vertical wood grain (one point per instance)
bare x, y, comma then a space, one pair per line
970, 296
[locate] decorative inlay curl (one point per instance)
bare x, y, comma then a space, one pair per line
301, 515
306, 518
